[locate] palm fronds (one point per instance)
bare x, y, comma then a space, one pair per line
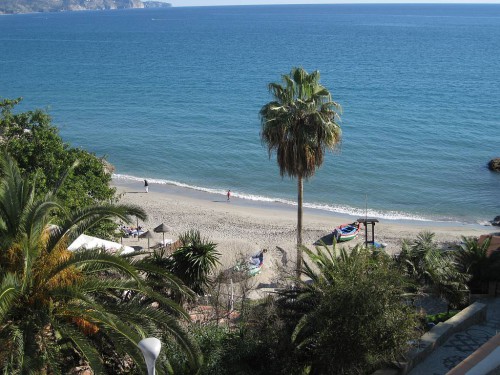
433, 270
54, 302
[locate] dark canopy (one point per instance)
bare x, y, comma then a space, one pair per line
162, 228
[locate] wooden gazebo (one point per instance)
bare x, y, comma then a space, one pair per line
367, 221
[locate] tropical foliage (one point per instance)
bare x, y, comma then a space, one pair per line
226, 352
346, 315
472, 258
56, 306
257, 344
299, 125
349, 316
194, 263
433, 270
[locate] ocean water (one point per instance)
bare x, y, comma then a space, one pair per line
173, 95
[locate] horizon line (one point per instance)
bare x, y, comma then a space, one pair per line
368, 2
339, 3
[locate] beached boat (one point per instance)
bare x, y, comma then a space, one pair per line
248, 268
346, 232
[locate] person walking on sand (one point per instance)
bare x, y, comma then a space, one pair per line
229, 195
146, 185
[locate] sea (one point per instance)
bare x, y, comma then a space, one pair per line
173, 96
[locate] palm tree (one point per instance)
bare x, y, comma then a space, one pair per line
474, 259
55, 304
193, 262
300, 124
433, 270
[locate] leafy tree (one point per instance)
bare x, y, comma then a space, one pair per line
300, 124
32, 140
55, 304
433, 270
349, 316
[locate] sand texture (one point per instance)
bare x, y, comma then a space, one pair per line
241, 228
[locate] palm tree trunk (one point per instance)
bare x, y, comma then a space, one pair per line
300, 188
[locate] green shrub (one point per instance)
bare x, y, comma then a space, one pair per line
441, 317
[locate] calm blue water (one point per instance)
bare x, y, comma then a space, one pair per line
173, 95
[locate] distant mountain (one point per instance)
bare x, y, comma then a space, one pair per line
32, 6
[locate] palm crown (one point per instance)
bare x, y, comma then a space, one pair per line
301, 123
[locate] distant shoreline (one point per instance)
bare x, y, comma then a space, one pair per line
192, 193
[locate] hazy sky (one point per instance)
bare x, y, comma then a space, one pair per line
180, 3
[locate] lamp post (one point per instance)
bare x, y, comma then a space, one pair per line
150, 348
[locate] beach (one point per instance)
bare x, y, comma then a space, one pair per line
240, 228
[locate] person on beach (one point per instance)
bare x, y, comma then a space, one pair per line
146, 185
258, 259
229, 195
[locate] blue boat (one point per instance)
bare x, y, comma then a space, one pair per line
346, 232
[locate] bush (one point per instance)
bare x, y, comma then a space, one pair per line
36, 146
441, 317
473, 259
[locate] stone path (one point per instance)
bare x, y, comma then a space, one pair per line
462, 344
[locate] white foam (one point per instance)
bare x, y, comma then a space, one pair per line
341, 209
389, 215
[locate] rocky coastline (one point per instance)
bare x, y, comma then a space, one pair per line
37, 6
156, 4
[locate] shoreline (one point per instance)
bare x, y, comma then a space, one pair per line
350, 213
242, 227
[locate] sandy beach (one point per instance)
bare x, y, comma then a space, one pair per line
242, 227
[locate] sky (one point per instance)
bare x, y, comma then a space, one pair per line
181, 3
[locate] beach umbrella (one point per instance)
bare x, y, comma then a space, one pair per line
147, 235
162, 228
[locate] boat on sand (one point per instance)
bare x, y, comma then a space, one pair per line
248, 268
346, 232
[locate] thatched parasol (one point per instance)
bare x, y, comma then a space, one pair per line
147, 235
162, 228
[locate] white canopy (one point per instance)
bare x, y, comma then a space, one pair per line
89, 242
